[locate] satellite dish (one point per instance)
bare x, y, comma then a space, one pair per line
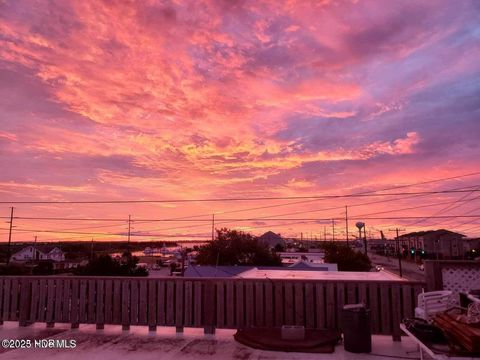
360, 225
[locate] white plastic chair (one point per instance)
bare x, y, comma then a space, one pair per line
433, 302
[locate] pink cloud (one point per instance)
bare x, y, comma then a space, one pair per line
197, 99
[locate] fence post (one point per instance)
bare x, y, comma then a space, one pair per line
433, 275
396, 313
209, 307
24, 308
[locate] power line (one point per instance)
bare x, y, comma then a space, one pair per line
303, 212
190, 218
410, 208
318, 197
292, 203
269, 219
416, 194
449, 207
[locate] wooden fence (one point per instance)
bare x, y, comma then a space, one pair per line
207, 303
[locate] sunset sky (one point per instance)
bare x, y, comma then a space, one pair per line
159, 100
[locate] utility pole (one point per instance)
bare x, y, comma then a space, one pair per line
346, 222
34, 248
129, 228
365, 239
397, 230
325, 234
213, 227
91, 250
333, 229
10, 237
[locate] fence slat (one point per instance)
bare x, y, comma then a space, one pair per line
66, 300
100, 309
14, 299
309, 306
230, 306
6, 299
362, 293
249, 305
209, 307
386, 311
299, 307
351, 293
25, 297
91, 301
407, 291
240, 304
142, 306
188, 303
170, 303
289, 304
117, 302
320, 321
42, 297
198, 320
373, 302
396, 312
330, 296
220, 289
34, 302
49, 317
279, 303
259, 304
152, 305
179, 304
340, 302
133, 302
269, 304
125, 305
161, 319
57, 316
74, 314
108, 301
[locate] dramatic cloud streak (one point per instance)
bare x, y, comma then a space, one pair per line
169, 99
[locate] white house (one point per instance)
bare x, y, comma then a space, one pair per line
38, 253
290, 258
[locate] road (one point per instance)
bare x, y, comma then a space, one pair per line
410, 270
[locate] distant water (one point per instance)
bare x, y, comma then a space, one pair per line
185, 244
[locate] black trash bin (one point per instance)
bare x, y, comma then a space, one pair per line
355, 324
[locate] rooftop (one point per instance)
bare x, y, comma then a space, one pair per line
429, 232
262, 272
321, 275
139, 344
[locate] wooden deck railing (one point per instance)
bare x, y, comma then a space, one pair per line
207, 303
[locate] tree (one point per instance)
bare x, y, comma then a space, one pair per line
346, 258
43, 268
105, 265
232, 247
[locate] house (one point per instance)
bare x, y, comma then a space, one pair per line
272, 240
435, 244
289, 258
472, 245
41, 252
309, 265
